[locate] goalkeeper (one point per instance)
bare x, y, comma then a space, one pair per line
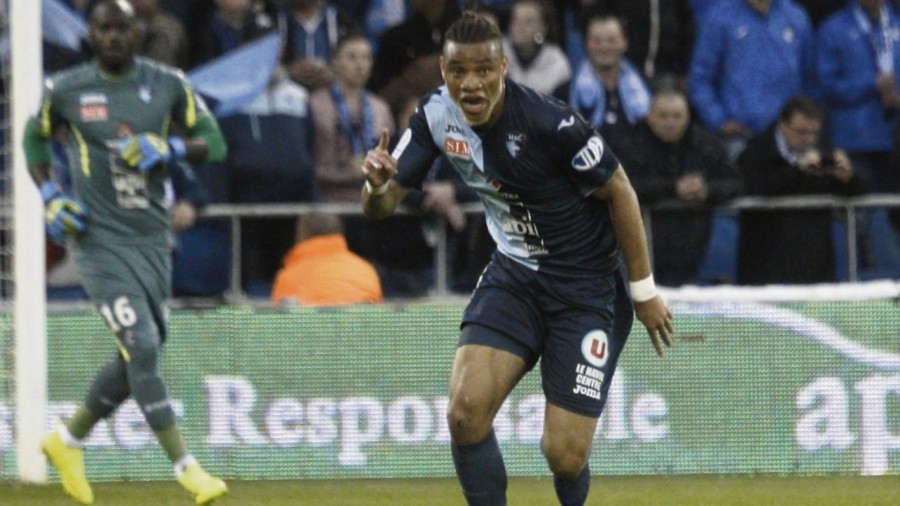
114, 113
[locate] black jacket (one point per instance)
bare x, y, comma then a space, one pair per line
786, 246
679, 235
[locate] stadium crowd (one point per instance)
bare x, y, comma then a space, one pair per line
702, 100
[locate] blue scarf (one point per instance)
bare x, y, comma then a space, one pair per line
881, 37
362, 139
588, 96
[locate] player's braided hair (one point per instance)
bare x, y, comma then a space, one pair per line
472, 28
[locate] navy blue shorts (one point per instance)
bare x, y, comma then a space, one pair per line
577, 327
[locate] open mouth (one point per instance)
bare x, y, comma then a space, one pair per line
473, 106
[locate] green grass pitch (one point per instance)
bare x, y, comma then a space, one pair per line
616, 490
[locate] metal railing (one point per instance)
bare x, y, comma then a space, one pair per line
236, 212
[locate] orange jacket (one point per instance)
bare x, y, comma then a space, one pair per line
321, 271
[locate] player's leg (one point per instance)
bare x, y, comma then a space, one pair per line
582, 347
64, 446
141, 328
482, 378
566, 444
498, 345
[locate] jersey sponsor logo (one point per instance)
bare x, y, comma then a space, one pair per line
514, 143
93, 107
595, 348
588, 381
566, 123
590, 155
518, 227
457, 148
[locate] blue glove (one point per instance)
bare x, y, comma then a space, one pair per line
63, 217
147, 150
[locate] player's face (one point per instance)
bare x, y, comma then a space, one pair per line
113, 35
669, 117
474, 75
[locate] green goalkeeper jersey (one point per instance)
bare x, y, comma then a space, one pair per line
97, 111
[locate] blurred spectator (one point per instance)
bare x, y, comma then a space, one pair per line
228, 25
313, 30
858, 63
162, 35
408, 53
670, 160
699, 8
381, 15
608, 90
320, 271
348, 120
660, 33
790, 158
750, 58
270, 160
534, 59
820, 10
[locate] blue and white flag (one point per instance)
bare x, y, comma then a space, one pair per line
236, 78
61, 25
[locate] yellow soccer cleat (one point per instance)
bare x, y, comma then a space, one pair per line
204, 487
69, 463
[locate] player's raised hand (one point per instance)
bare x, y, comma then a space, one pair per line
657, 319
379, 166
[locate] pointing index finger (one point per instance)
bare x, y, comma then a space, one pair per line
385, 139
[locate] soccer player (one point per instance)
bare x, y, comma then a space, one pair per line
562, 212
115, 113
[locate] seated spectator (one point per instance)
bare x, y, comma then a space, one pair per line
320, 270
534, 59
607, 90
163, 37
228, 25
270, 160
790, 158
668, 159
313, 30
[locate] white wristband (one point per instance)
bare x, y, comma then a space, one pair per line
377, 190
643, 290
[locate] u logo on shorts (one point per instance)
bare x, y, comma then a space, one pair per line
595, 348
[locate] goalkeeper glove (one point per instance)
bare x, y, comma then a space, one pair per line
146, 150
63, 217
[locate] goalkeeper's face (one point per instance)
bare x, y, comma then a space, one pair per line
114, 35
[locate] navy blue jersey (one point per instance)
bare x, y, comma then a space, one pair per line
533, 169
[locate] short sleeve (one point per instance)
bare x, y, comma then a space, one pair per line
583, 152
415, 152
190, 106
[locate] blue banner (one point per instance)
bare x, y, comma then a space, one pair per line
61, 25
236, 78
